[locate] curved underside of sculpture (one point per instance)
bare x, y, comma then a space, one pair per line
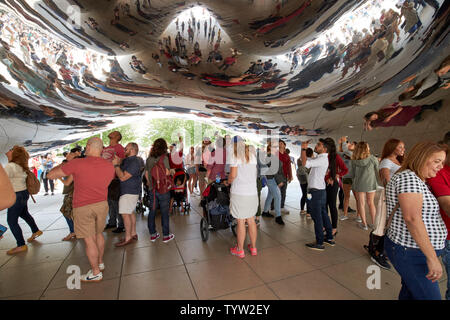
367, 69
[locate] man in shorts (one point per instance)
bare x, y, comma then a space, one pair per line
91, 176
130, 176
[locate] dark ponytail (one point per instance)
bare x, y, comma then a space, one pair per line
331, 147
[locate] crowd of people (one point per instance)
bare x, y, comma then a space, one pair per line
102, 187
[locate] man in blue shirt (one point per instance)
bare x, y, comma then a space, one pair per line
130, 176
47, 165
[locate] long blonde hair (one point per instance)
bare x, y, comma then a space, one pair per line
238, 154
361, 151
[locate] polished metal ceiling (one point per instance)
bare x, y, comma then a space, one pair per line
294, 67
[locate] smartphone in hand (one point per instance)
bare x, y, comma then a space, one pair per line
2, 230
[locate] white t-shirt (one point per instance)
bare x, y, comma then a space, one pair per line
319, 167
17, 176
245, 182
388, 164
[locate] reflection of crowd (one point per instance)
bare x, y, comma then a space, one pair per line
367, 46
299, 131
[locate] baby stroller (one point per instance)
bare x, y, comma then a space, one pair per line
216, 210
142, 201
147, 194
178, 193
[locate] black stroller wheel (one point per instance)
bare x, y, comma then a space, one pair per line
233, 229
204, 229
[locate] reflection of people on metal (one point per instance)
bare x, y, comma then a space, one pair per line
274, 21
396, 115
348, 99
440, 78
137, 65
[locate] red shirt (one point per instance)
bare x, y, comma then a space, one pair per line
341, 168
178, 164
108, 152
286, 161
91, 178
440, 186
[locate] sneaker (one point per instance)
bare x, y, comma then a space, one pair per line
35, 235
343, 218
17, 250
267, 215
153, 238
370, 226
330, 242
89, 277
170, 237
53, 194
360, 225
315, 246
46, 194
234, 251
119, 230
253, 251
279, 220
381, 261
101, 266
358, 220
350, 210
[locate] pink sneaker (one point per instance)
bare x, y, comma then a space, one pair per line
234, 251
253, 251
153, 238
168, 238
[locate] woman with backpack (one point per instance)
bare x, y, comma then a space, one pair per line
17, 169
158, 176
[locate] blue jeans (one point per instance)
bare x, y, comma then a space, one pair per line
319, 214
114, 214
411, 265
273, 193
70, 224
20, 209
163, 200
446, 261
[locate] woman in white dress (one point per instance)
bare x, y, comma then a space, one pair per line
243, 195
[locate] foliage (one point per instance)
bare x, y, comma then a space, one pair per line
127, 131
191, 131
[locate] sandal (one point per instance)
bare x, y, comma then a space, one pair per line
69, 237
123, 243
35, 235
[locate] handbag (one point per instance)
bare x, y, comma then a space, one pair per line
376, 240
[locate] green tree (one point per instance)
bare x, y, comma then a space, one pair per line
127, 131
